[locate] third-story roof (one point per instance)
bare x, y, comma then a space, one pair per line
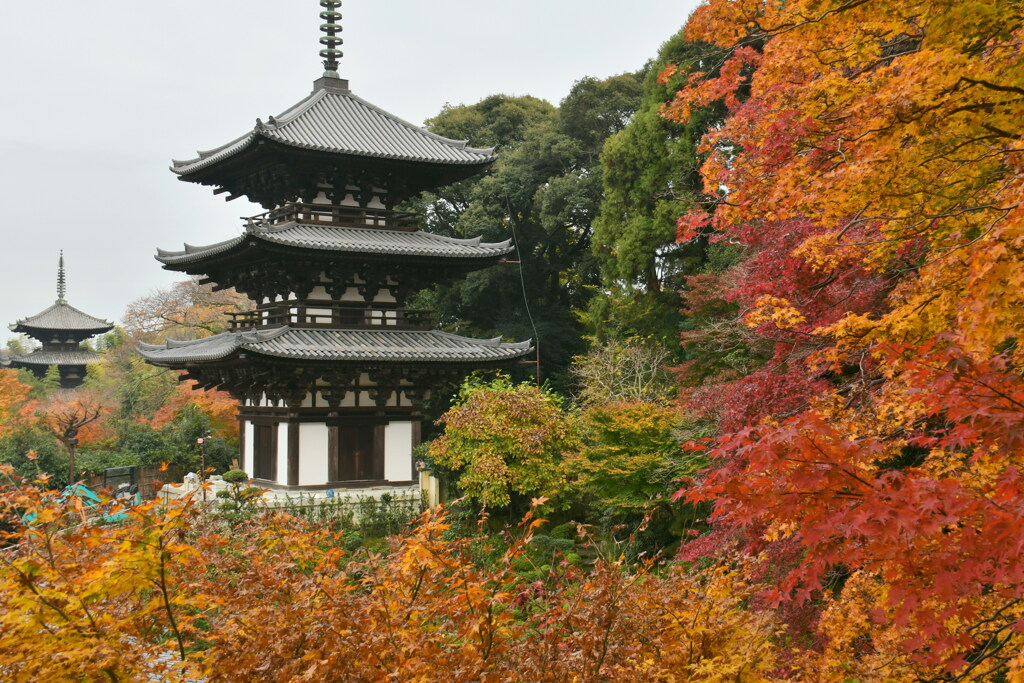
332, 119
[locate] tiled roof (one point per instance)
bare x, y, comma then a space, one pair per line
62, 316
48, 358
332, 119
349, 240
333, 345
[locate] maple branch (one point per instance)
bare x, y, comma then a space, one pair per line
992, 86
806, 21
162, 574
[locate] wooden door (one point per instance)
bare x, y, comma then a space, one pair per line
360, 453
264, 449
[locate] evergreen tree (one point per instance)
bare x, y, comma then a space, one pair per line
543, 193
650, 179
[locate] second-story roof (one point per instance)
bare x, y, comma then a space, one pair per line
340, 239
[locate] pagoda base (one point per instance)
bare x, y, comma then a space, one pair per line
307, 451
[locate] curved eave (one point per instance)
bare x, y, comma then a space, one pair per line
331, 242
40, 332
334, 121
59, 358
333, 347
62, 317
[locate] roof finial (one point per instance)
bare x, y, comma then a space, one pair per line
331, 40
62, 282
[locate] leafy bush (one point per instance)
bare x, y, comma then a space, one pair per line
504, 439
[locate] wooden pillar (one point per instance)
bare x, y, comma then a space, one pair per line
417, 439
378, 452
332, 452
240, 463
293, 452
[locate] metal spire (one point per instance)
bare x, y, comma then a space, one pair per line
331, 40
62, 282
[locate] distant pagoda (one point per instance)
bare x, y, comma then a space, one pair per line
330, 369
61, 329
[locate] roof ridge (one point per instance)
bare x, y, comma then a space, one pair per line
460, 144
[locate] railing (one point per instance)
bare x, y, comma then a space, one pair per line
331, 315
347, 216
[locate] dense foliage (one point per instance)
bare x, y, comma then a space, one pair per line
870, 167
284, 600
795, 248
543, 194
650, 177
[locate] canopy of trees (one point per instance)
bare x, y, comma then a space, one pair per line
776, 277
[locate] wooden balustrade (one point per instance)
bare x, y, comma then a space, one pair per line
346, 216
331, 315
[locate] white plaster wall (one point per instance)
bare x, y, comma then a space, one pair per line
312, 454
322, 315
398, 451
282, 453
319, 293
246, 455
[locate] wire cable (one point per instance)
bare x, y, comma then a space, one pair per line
522, 282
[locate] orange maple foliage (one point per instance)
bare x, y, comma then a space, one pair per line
14, 404
169, 593
898, 131
218, 405
78, 410
883, 143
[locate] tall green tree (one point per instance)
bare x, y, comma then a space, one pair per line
650, 179
543, 193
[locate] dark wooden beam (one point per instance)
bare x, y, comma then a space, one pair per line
293, 453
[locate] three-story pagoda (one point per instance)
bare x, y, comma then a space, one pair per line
61, 329
331, 369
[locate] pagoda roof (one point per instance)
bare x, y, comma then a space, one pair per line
337, 345
339, 239
334, 120
64, 317
48, 358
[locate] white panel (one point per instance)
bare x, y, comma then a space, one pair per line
308, 401
398, 451
351, 294
282, 453
312, 454
247, 461
319, 293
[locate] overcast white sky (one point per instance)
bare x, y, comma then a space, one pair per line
98, 96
